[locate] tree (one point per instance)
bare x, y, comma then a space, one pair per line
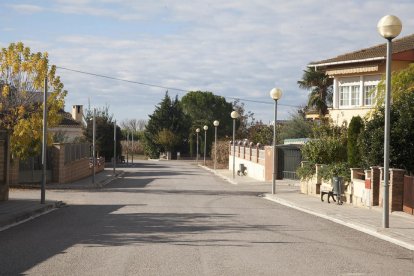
168, 115
401, 135
104, 139
246, 119
402, 126
354, 154
167, 139
402, 82
261, 133
320, 86
22, 76
203, 108
296, 127
133, 125
327, 146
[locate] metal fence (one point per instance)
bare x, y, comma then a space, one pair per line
31, 169
289, 159
75, 152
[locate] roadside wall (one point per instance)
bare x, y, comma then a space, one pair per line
66, 170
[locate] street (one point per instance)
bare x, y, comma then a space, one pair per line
174, 218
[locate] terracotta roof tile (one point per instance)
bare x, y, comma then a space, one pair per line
67, 120
399, 45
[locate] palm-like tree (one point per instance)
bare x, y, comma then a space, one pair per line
321, 89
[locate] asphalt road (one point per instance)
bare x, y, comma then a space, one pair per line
173, 218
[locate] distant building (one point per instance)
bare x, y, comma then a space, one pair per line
71, 127
356, 76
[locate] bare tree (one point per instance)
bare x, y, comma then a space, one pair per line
133, 124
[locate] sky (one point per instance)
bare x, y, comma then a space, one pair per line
235, 49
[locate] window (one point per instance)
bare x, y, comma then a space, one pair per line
344, 95
349, 92
369, 93
355, 95
357, 91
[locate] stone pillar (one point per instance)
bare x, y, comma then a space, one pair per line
269, 164
250, 151
375, 185
396, 189
381, 187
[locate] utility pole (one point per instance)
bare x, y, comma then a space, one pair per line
127, 147
132, 151
44, 146
114, 146
93, 144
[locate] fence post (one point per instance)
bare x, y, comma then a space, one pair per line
396, 189
375, 185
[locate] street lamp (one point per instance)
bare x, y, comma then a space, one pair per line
114, 146
132, 148
197, 131
93, 144
275, 94
388, 27
234, 115
127, 145
205, 143
216, 124
44, 147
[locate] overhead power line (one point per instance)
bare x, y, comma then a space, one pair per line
160, 86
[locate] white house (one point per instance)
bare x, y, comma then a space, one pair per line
71, 126
357, 74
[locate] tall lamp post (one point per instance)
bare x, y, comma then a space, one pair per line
205, 143
44, 147
132, 147
216, 124
234, 115
275, 94
388, 27
93, 144
114, 146
197, 131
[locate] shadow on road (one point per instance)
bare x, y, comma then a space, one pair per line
28, 245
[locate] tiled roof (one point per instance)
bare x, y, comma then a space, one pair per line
379, 51
68, 121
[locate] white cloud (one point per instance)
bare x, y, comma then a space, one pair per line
236, 49
27, 8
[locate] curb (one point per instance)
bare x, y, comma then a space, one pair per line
27, 216
108, 180
231, 181
355, 226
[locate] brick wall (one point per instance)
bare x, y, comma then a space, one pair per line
396, 189
375, 185
71, 171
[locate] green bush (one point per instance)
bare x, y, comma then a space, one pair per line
354, 153
325, 150
306, 171
340, 169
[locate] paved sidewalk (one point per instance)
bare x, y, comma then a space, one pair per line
367, 220
19, 209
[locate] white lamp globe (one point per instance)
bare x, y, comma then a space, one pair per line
234, 115
216, 123
197, 130
205, 127
276, 93
389, 26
